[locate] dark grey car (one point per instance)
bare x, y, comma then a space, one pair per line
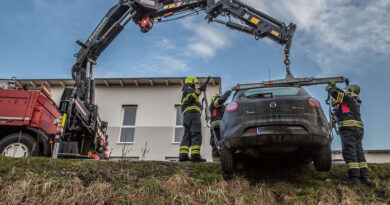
275, 120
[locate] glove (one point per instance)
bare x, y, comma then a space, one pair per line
202, 88
331, 85
233, 88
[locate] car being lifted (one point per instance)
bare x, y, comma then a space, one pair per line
276, 118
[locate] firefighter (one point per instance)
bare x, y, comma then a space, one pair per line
347, 109
217, 108
192, 110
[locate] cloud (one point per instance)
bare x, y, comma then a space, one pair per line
153, 66
166, 44
202, 49
337, 35
206, 39
161, 66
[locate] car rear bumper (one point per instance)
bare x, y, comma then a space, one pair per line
271, 140
286, 124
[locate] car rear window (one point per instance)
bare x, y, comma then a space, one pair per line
274, 91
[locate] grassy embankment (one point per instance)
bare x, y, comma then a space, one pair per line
46, 181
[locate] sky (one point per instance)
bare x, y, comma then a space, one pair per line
334, 38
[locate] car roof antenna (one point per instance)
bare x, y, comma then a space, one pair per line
269, 74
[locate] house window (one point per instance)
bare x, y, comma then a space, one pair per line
179, 129
128, 124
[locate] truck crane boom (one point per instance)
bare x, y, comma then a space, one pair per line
143, 13
79, 113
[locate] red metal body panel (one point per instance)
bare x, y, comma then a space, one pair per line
28, 108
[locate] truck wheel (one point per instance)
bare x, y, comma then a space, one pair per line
227, 163
323, 159
19, 145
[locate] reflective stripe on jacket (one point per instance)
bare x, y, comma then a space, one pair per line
217, 108
190, 99
348, 112
216, 123
349, 123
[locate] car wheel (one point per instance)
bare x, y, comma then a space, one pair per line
227, 163
19, 145
323, 159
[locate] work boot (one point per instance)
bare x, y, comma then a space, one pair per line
366, 180
216, 154
197, 158
353, 181
184, 158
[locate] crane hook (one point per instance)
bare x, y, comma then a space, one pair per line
287, 63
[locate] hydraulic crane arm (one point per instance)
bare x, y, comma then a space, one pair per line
144, 12
78, 110
255, 22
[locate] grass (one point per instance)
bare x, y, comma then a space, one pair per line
46, 181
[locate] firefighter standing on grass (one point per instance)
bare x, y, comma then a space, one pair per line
217, 108
347, 109
192, 110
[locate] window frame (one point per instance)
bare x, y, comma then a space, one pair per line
127, 126
176, 107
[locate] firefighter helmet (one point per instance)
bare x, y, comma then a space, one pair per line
191, 80
215, 96
353, 90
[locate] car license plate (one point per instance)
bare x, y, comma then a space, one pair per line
259, 130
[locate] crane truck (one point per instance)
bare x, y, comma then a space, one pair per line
79, 123
78, 109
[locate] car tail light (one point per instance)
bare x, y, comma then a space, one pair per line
312, 102
251, 130
231, 107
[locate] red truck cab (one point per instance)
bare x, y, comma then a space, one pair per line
27, 122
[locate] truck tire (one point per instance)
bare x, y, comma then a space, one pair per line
19, 145
227, 163
323, 159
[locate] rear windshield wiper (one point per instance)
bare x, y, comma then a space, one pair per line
261, 95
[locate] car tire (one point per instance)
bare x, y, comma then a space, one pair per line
227, 163
323, 159
19, 145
